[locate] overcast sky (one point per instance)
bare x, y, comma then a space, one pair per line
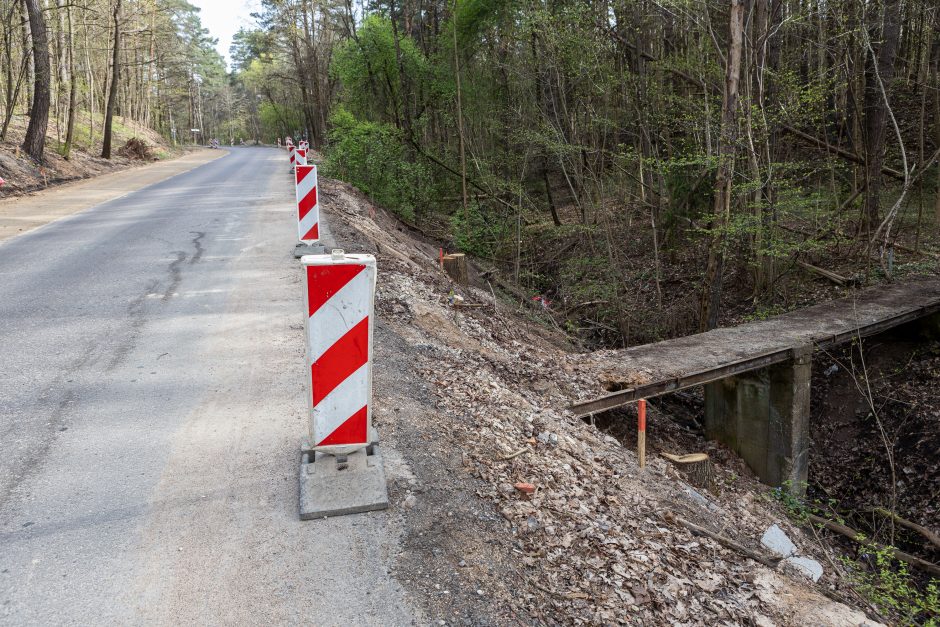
223, 18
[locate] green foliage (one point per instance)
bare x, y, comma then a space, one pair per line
764, 313
882, 579
372, 157
588, 278
888, 584
478, 233
473, 16
797, 507
367, 68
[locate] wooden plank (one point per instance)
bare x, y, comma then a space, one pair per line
855, 325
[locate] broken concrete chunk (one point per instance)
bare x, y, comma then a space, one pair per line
546, 437
807, 567
774, 539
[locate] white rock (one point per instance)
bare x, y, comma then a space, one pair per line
763, 621
807, 567
777, 541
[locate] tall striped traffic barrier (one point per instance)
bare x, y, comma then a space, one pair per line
300, 156
341, 467
290, 152
308, 211
308, 206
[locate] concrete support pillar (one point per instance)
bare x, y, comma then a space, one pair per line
763, 416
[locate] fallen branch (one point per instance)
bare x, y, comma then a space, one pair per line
852, 534
932, 537
838, 279
845, 154
766, 560
470, 182
505, 458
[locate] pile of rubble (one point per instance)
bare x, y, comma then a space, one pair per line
600, 540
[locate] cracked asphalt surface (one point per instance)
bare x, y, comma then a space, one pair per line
151, 410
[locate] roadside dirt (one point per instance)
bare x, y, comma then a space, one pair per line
23, 175
473, 397
22, 213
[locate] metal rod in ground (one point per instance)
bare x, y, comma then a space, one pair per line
641, 432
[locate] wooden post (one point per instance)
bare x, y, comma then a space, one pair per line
456, 267
641, 432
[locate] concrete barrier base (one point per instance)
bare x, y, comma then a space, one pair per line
335, 485
308, 249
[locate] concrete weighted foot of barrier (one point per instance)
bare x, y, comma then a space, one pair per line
335, 485
308, 249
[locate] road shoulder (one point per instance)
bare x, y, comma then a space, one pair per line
22, 214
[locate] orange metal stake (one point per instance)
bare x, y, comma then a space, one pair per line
641, 432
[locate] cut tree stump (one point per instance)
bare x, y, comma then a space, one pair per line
696, 466
455, 265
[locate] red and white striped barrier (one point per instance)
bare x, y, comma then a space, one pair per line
308, 206
290, 152
339, 291
300, 156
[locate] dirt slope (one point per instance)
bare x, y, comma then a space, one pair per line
474, 399
23, 175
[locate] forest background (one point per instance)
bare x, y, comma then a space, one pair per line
644, 168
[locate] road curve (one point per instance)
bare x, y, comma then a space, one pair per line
151, 408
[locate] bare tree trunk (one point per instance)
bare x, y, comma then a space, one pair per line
463, 155
115, 76
403, 81
711, 294
876, 113
73, 80
27, 46
936, 121
35, 141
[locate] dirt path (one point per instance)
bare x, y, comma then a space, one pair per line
24, 213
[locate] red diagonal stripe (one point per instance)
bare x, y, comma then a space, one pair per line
302, 172
352, 431
313, 233
307, 203
340, 360
324, 281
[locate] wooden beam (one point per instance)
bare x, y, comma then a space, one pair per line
762, 360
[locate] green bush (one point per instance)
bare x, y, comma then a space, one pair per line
483, 235
373, 157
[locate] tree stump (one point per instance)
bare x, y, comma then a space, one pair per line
455, 266
697, 467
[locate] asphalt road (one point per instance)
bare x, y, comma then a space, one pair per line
151, 409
